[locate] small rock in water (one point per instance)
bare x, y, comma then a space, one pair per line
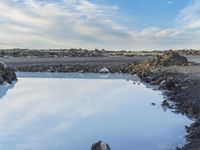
100, 146
104, 70
165, 103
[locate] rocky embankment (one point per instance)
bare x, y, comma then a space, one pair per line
6, 74
180, 88
183, 91
74, 68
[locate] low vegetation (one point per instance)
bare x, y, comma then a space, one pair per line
50, 53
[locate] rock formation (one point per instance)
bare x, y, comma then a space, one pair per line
171, 58
6, 74
100, 146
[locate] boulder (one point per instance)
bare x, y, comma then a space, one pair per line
100, 146
104, 70
6, 74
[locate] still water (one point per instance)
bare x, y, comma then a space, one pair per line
43, 111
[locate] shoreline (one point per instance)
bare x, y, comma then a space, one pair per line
180, 83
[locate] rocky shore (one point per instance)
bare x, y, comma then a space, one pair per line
180, 88
183, 91
172, 73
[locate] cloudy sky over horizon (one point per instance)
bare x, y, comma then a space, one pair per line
103, 24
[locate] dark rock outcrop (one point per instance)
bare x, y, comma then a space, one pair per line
6, 74
100, 146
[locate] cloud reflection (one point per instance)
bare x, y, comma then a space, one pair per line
54, 113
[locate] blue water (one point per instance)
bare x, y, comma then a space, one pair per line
43, 111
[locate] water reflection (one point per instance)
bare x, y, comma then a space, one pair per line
68, 114
5, 87
117, 76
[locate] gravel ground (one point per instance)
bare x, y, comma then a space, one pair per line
72, 60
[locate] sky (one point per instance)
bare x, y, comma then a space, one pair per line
101, 24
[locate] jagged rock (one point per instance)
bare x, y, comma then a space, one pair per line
171, 58
100, 146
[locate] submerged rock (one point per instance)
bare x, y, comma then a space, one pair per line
100, 146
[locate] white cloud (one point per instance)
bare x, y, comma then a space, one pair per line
70, 24
189, 17
85, 24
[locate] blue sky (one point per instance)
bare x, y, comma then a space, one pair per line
103, 24
151, 12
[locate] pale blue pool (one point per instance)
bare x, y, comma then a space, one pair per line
72, 111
